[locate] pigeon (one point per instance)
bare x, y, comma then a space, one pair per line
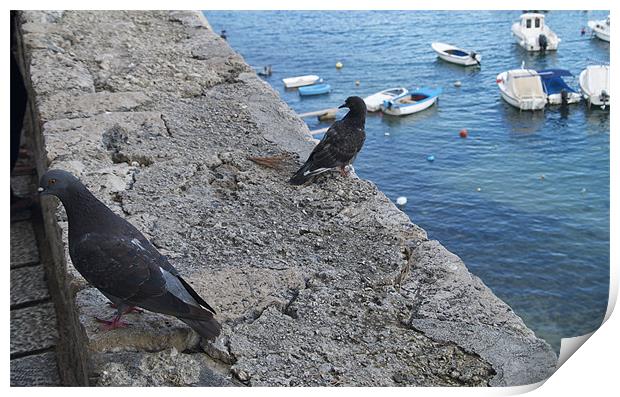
340, 144
120, 262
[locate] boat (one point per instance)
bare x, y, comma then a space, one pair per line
533, 34
374, 101
522, 88
450, 53
316, 89
300, 81
558, 92
411, 102
594, 84
600, 29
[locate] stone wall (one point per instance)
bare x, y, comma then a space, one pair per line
325, 284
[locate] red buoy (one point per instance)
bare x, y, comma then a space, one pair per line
463, 133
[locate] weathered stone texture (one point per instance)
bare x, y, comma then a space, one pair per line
325, 284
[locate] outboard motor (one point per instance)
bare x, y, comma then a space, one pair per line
542, 42
473, 56
604, 98
564, 96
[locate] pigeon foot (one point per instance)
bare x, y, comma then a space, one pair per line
343, 170
109, 325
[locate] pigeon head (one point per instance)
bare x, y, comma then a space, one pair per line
57, 183
354, 103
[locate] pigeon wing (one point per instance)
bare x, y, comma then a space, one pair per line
337, 147
126, 269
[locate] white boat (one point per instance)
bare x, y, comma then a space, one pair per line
374, 101
522, 88
533, 34
450, 53
600, 29
594, 83
411, 102
300, 81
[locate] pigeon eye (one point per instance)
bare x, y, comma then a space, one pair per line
51, 181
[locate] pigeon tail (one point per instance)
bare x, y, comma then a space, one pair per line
209, 329
302, 175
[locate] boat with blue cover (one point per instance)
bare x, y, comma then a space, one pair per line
411, 102
316, 89
558, 92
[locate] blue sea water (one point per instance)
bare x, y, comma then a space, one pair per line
524, 200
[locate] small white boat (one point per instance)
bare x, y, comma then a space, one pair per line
522, 88
450, 53
558, 92
533, 34
594, 83
374, 101
600, 29
411, 102
300, 81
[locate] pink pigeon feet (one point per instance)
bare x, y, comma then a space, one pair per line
109, 325
344, 171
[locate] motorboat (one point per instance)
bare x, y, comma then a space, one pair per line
374, 101
450, 53
594, 84
600, 29
411, 102
316, 89
522, 88
533, 34
300, 81
558, 92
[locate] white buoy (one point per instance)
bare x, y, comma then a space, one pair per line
386, 133
458, 83
402, 200
339, 65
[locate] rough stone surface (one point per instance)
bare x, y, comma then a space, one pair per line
325, 284
164, 368
28, 285
33, 329
37, 370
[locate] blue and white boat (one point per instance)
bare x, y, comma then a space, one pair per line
411, 102
558, 92
459, 56
316, 89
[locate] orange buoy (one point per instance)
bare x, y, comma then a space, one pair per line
463, 133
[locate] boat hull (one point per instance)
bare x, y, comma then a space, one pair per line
465, 60
530, 43
394, 108
536, 103
300, 81
319, 89
556, 99
594, 95
600, 29
374, 101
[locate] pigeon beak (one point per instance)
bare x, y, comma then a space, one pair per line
41, 190
344, 105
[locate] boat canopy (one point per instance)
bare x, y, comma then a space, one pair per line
526, 84
553, 73
553, 82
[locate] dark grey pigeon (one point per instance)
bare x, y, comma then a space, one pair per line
340, 144
119, 261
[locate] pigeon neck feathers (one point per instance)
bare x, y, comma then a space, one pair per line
84, 211
355, 117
